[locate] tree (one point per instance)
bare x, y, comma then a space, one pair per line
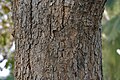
58, 39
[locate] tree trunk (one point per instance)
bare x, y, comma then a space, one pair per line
58, 39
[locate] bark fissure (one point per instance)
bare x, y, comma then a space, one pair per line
63, 14
50, 22
29, 40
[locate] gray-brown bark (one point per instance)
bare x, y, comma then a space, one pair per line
58, 39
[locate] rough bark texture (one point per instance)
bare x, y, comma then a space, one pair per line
58, 39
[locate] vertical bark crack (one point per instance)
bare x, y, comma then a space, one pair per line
50, 21
63, 14
29, 65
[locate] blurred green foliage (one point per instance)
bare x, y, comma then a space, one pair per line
110, 37
5, 34
111, 41
5, 22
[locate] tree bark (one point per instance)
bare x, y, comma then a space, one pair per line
58, 39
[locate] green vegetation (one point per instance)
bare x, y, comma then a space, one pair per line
6, 40
111, 41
